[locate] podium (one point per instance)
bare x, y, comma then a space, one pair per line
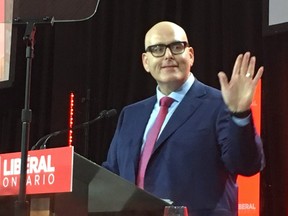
61, 182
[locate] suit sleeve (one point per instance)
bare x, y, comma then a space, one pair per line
241, 147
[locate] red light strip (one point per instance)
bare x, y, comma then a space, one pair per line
71, 120
249, 187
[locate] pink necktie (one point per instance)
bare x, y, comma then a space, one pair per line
152, 135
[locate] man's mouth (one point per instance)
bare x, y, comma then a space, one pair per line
169, 66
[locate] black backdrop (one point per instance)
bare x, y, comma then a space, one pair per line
100, 61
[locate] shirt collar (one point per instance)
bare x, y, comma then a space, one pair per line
179, 94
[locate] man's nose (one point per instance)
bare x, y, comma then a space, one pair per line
168, 52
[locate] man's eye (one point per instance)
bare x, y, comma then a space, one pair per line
177, 47
157, 49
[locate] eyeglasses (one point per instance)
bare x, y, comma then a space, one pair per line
158, 50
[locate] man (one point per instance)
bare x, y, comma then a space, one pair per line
207, 138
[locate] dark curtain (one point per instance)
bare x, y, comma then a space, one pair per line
100, 61
275, 124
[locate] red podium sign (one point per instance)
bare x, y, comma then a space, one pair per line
48, 171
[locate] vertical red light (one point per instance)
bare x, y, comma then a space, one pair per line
71, 120
249, 187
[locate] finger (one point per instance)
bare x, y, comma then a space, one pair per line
258, 75
237, 65
223, 80
244, 64
251, 67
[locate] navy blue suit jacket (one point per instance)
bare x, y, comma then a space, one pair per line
197, 157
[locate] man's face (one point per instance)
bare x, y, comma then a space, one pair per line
170, 70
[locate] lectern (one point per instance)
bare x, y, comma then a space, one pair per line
62, 182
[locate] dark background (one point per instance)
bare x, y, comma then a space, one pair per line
100, 61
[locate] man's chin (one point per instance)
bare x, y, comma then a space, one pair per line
171, 80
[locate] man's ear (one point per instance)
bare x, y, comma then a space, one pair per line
191, 53
145, 62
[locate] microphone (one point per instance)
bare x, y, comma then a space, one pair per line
103, 114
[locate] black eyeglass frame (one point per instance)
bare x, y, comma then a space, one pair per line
185, 43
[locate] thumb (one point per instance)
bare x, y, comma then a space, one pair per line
223, 80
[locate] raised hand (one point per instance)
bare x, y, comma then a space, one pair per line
239, 91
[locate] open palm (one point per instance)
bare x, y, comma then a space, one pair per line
239, 91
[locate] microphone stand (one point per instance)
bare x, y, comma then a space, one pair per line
22, 205
41, 143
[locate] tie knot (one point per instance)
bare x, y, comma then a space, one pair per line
166, 101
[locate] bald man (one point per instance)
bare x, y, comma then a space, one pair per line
206, 139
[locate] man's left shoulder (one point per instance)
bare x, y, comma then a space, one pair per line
209, 90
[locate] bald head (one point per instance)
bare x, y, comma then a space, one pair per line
162, 32
171, 69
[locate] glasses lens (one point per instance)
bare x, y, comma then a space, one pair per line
157, 50
177, 47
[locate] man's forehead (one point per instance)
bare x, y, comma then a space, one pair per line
165, 37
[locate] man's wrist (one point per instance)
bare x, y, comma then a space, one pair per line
243, 114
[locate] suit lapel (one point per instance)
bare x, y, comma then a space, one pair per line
185, 109
140, 117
